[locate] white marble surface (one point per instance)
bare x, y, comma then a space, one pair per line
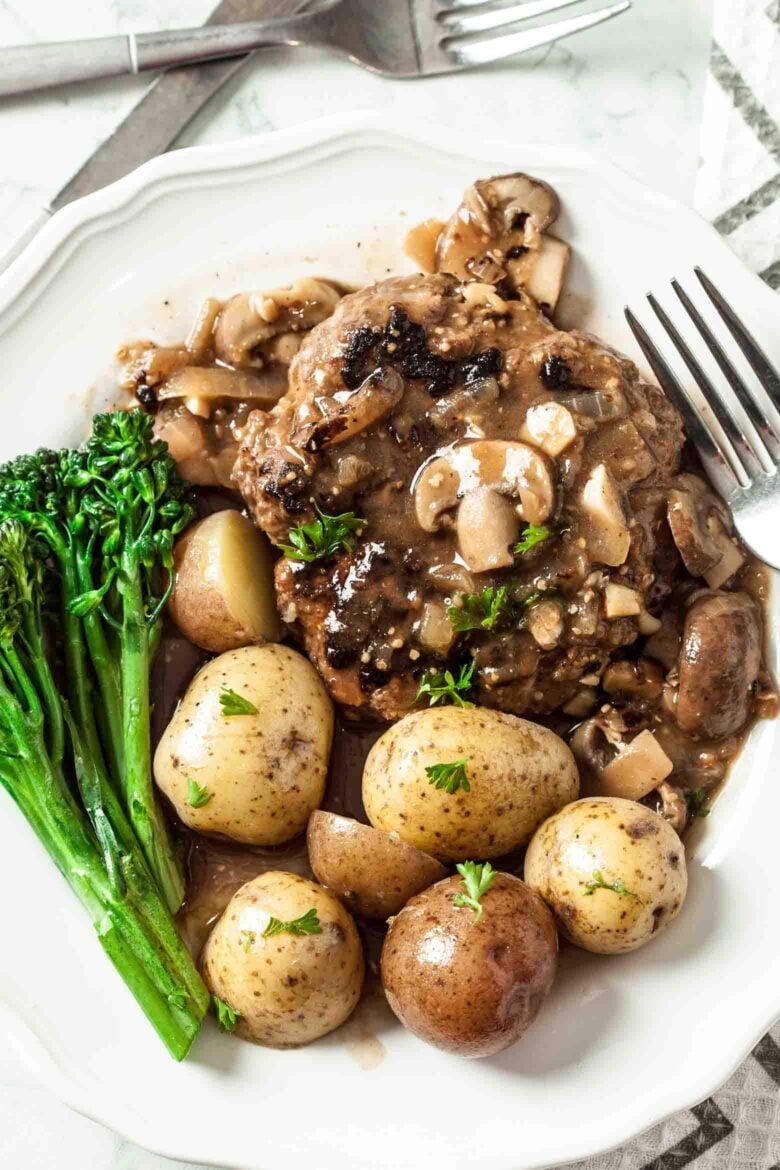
630, 91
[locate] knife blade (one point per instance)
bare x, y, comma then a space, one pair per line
158, 118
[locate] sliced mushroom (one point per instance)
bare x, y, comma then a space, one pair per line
544, 622
674, 807
691, 509
606, 533
542, 272
549, 425
620, 601
642, 678
354, 411
487, 526
436, 632
719, 664
638, 768
482, 477
451, 578
250, 321
497, 234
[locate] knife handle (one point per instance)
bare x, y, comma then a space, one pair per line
24, 68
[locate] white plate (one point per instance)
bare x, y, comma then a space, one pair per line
622, 1042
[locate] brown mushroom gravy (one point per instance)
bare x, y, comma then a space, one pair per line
526, 503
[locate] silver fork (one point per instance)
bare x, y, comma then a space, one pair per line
398, 38
742, 462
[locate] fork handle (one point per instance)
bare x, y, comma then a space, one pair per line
24, 68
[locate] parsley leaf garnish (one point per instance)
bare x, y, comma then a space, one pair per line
442, 686
531, 535
477, 879
197, 794
697, 803
235, 704
308, 923
227, 1017
450, 777
597, 883
246, 938
323, 537
480, 611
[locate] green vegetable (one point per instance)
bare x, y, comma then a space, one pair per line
246, 938
477, 879
597, 883
530, 537
308, 923
697, 803
197, 794
108, 514
52, 765
443, 687
450, 777
481, 611
323, 537
235, 704
227, 1017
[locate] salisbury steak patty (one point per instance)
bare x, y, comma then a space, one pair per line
450, 420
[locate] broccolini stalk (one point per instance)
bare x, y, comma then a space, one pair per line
41, 744
132, 504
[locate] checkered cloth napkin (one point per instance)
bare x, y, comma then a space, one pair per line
738, 189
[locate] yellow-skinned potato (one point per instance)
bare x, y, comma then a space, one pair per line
223, 593
518, 773
612, 871
373, 873
290, 988
259, 775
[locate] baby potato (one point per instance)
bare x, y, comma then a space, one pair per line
465, 982
254, 775
373, 873
223, 593
287, 957
612, 871
517, 774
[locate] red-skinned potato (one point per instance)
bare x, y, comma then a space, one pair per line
373, 873
470, 983
223, 592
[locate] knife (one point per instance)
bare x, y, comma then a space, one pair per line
156, 121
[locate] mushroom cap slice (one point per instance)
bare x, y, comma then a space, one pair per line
498, 233
690, 510
495, 484
720, 661
487, 527
250, 321
607, 533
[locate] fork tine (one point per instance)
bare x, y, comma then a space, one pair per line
492, 16
765, 418
744, 460
715, 463
474, 49
763, 368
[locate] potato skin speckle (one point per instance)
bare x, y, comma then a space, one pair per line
265, 773
373, 873
519, 773
470, 986
623, 841
289, 989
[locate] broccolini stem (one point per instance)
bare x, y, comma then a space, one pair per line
175, 1008
104, 663
140, 799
